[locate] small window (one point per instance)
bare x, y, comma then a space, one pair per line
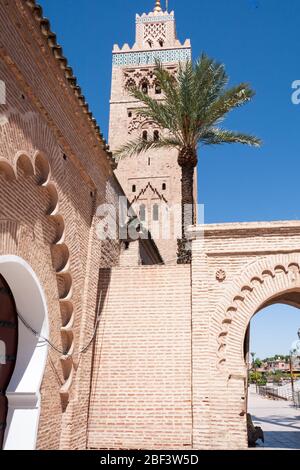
133, 188
161, 42
150, 43
155, 136
145, 88
149, 161
155, 214
129, 114
157, 89
142, 213
145, 135
164, 186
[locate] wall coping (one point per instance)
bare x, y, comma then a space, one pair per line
244, 229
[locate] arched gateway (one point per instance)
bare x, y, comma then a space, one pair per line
22, 300
237, 270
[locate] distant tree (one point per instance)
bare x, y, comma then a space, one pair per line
257, 378
257, 363
277, 377
276, 358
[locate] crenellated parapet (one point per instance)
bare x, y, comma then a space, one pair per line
155, 39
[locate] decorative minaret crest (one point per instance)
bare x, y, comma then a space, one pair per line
157, 6
152, 181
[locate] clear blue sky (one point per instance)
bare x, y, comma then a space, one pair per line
273, 330
259, 42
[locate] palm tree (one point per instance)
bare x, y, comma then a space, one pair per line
194, 104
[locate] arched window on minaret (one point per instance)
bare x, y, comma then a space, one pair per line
130, 84
142, 212
150, 43
145, 135
157, 89
145, 87
161, 42
155, 213
156, 136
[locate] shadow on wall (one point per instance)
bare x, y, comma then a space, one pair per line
102, 295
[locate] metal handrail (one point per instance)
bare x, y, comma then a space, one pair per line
276, 393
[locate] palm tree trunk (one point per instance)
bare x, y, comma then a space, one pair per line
187, 212
187, 203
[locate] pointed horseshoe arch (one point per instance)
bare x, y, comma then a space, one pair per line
265, 282
273, 279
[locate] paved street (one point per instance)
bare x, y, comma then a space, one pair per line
279, 420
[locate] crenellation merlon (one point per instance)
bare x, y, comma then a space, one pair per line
126, 48
155, 16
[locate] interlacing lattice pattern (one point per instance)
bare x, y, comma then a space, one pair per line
154, 31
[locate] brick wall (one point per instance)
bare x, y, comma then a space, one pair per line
141, 393
54, 173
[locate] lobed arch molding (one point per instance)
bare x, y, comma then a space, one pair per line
37, 165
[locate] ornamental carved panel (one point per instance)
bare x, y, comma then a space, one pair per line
136, 77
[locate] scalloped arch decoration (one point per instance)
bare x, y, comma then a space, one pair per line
38, 165
23, 162
7, 170
257, 284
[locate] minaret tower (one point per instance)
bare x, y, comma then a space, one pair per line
151, 181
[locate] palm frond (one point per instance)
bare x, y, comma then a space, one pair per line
151, 106
191, 106
233, 98
210, 80
216, 136
168, 83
